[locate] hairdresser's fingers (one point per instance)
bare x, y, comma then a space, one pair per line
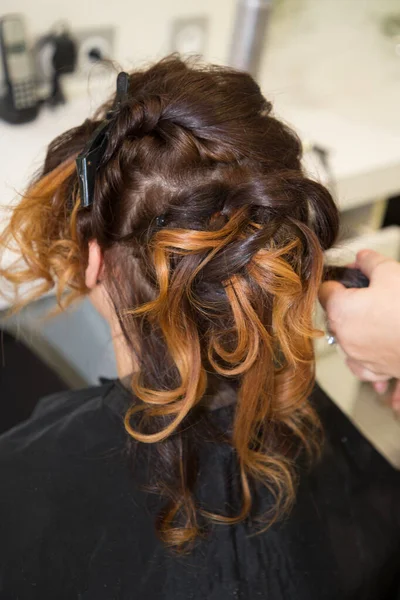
329, 292
369, 260
363, 373
396, 397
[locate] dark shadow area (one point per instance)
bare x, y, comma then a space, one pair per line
24, 379
392, 216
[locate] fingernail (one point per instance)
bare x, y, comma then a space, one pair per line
381, 387
364, 252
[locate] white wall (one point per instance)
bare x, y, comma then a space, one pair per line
143, 28
325, 53
334, 55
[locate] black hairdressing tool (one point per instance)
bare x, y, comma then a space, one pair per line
350, 278
89, 160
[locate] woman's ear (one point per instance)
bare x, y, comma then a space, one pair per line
95, 265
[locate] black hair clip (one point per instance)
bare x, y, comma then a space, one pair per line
88, 161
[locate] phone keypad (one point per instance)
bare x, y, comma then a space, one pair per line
24, 94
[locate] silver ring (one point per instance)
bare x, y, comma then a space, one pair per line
330, 338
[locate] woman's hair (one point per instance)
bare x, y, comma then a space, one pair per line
213, 241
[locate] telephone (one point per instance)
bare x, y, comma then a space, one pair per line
18, 95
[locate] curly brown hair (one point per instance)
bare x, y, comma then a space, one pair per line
222, 288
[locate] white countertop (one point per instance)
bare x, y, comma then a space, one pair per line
365, 160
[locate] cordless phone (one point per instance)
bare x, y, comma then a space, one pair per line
18, 96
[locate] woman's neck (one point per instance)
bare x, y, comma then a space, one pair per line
126, 363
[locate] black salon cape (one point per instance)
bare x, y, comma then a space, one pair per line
74, 523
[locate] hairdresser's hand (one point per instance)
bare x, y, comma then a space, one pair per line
366, 322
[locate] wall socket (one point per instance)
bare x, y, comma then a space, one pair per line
94, 44
189, 35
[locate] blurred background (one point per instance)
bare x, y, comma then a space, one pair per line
330, 67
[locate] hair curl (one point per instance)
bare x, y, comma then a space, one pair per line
223, 291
